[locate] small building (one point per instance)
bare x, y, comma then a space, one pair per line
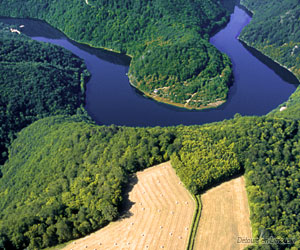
283, 108
15, 31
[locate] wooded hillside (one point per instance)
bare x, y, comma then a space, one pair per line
275, 31
65, 176
168, 41
36, 80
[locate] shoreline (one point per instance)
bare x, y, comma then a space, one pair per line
174, 104
180, 105
272, 59
166, 101
152, 96
258, 50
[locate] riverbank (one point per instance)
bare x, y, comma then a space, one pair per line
163, 100
252, 13
180, 105
262, 52
292, 103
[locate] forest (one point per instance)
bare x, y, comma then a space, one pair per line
36, 80
65, 176
275, 31
167, 40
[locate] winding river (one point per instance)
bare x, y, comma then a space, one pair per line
260, 85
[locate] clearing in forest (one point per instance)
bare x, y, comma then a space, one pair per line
160, 216
225, 217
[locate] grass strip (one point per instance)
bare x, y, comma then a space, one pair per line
58, 247
195, 222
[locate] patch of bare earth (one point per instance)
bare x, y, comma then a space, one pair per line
225, 217
159, 218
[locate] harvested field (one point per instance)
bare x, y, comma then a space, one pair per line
225, 217
159, 218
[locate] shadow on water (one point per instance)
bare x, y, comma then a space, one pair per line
34, 27
282, 72
230, 4
245, 9
108, 56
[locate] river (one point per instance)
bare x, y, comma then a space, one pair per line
260, 85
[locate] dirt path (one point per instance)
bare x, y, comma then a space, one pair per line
160, 216
225, 217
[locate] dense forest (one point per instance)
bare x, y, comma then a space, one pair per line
168, 40
275, 31
36, 80
65, 176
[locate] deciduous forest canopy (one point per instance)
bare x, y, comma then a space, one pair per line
36, 80
64, 176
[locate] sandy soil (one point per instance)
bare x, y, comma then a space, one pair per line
225, 217
159, 218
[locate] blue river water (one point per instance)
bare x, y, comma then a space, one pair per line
260, 85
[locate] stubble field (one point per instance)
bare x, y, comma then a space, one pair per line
160, 216
225, 217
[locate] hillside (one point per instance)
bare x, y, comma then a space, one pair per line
172, 59
36, 80
267, 150
64, 177
275, 31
